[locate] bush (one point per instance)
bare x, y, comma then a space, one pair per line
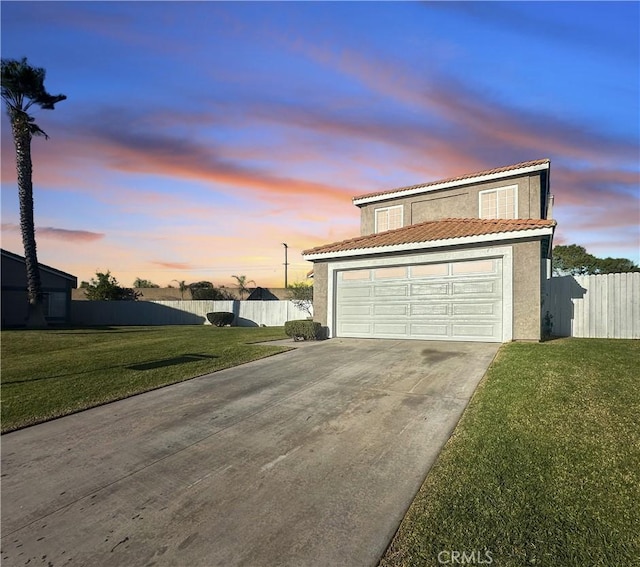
104, 287
220, 318
302, 329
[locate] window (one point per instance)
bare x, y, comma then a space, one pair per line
499, 203
390, 273
389, 218
477, 267
55, 304
355, 275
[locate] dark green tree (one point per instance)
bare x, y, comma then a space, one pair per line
105, 287
206, 290
23, 87
572, 260
616, 266
140, 283
576, 261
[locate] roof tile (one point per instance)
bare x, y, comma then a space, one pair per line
432, 230
461, 178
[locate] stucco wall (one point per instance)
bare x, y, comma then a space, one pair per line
527, 281
457, 202
320, 291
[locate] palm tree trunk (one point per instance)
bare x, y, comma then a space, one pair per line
22, 140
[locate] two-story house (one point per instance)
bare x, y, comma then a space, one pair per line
462, 259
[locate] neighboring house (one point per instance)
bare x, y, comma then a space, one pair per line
462, 259
261, 294
56, 288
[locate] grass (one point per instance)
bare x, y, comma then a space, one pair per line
544, 467
47, 374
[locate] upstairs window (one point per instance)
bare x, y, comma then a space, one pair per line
499, 203
389, 218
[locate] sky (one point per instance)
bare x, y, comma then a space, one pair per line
198, 137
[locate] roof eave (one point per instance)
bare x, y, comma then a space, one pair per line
42, 267
426, 188
445, 242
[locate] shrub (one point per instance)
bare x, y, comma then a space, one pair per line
302, 329
301, 294
104, 287
220, 318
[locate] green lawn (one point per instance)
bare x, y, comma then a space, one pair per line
50, 373
544, 467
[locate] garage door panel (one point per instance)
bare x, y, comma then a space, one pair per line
391, 309
356, 292
475, 309
418, 309
430, 289
430, 330
356, 329
391, 290
475, 287
470, 331
449, 301
357, 310
395, 329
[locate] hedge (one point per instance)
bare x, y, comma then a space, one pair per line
302, 329
220, 318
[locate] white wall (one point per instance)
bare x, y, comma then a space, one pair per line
248, 313
601, 306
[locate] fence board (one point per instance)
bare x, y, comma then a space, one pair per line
598, 306
248, 313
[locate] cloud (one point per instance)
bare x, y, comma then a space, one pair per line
173, 265
530, 20
81, 236
127, 148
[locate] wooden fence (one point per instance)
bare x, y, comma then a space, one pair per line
601, 306
248, 313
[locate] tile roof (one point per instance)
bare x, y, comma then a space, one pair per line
432, 230
460, 178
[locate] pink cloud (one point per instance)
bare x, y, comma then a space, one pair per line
81, 236
172, 265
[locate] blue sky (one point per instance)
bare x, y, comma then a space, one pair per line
197, 137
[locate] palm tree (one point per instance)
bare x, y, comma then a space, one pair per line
182, 285
22, 87
242, 284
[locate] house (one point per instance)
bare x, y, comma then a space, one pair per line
262, 294
56, 288
461, 259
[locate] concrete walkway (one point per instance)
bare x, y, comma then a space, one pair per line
310, 457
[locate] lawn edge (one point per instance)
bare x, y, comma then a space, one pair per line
126, 396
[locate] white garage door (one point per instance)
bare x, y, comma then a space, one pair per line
449, 301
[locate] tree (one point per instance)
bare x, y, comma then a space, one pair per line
105, 287
301, 294
206, 290
242, 284
575, 260
572, 260
616, 266
138, 283
182, 285
22, 87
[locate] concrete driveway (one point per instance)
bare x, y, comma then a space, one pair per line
306, 458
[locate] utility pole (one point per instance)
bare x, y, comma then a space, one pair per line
286, 264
